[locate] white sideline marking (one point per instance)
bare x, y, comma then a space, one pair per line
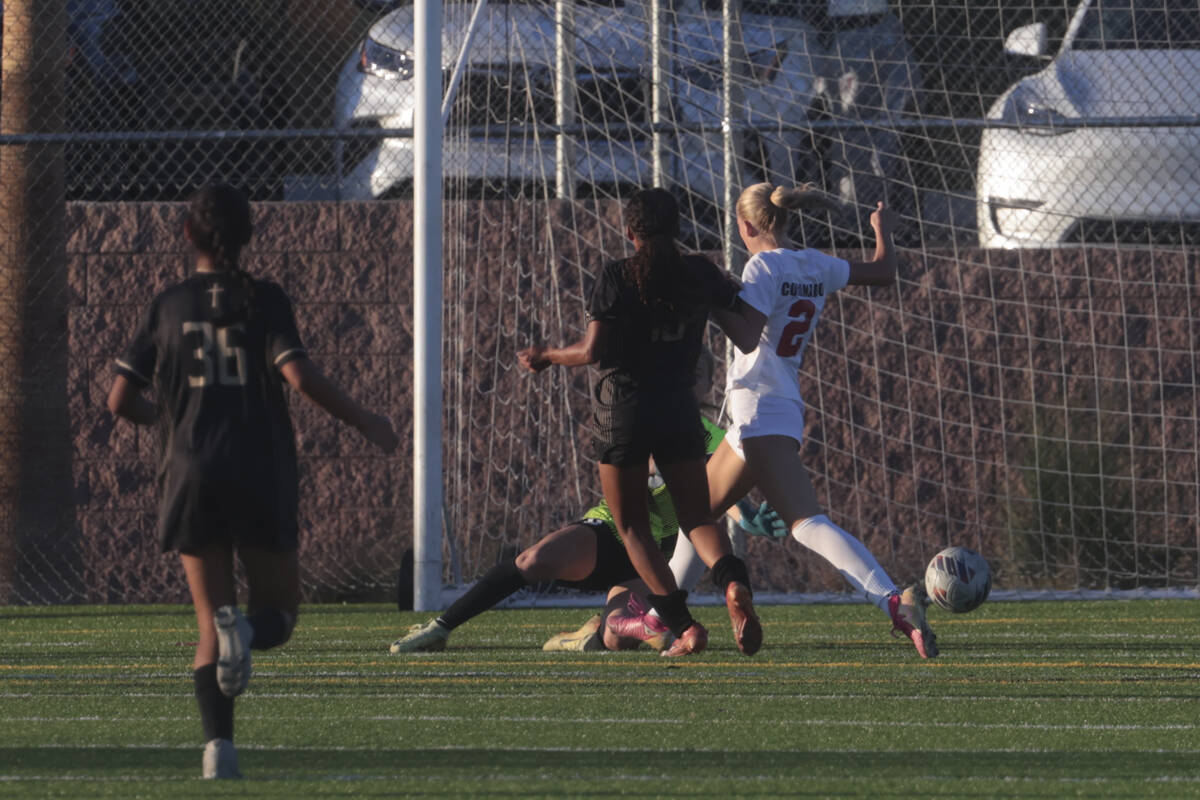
918, 698
566, 749
541, 720
990, 779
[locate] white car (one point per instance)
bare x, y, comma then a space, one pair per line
492, 141
1048, 180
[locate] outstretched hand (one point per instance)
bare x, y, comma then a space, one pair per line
761, 521
883, 220
378, 431
534, 358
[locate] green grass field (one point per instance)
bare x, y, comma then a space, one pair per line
1030, 700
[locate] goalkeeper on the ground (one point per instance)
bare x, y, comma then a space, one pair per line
588, 555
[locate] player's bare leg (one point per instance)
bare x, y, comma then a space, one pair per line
779, 472
625, 491
210, 580
729, 571
274, 601
568, 554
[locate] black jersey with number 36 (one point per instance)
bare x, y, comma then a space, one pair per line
227, 469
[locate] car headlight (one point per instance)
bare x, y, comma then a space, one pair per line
1032, 112
385, 62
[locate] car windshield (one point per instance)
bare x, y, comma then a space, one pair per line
1140, 25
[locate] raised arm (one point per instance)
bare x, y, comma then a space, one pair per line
306, 378
584, 351
881, 270
126, 401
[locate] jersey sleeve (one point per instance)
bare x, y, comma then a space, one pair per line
836, 270
758, 286
283, 339
602, 305
137, 361
723, 288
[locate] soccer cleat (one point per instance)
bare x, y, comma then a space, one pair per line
233, 648
220, 760
425, 638
907, 610
747, 630
690, 642
662, 641
586, 639
636, 622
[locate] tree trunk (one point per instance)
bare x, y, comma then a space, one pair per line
36, 515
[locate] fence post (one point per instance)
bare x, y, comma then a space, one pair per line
35, 439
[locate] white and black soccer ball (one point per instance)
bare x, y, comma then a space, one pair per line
958, 580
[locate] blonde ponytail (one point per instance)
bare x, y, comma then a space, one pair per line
765, 206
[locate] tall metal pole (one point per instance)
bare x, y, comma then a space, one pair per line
427, 314
731, 174
660, 88
564, 96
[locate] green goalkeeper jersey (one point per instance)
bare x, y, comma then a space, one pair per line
663, 523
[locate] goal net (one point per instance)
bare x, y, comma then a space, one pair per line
1027, 388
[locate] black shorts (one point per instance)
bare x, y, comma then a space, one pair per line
633, 424
612, 562
197, 509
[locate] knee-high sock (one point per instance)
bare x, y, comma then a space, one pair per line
271, 627
686, 564
848, 555
499, 582
216, 710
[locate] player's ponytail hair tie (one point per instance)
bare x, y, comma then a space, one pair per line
765, 206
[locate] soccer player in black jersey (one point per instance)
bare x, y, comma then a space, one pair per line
647, 317
217, 348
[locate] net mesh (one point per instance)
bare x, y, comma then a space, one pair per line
1028, 388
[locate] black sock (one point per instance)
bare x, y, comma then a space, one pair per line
672, 609
216, 710
271, 628
499, 582
730, 569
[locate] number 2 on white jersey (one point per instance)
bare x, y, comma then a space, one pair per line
793, 333
226, 355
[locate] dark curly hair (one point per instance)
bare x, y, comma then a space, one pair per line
652, 215
219, 226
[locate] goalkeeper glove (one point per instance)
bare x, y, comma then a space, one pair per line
761, 521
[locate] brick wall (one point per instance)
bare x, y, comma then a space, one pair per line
920, 398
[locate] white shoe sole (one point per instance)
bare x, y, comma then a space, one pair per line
233, 648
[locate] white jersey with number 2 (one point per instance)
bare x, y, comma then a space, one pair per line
790, 287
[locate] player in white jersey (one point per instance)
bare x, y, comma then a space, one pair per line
784, 292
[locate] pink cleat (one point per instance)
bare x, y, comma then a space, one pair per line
747, 630
636, 622
690, 642
908, 616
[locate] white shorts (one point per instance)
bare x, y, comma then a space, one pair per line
752, 414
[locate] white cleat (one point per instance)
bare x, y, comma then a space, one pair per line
233, 648
427, 638
220, 760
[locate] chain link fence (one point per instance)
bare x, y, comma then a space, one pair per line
1028, 389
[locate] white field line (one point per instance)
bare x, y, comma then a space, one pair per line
549, 720
409, 695
454, 748
525, 777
